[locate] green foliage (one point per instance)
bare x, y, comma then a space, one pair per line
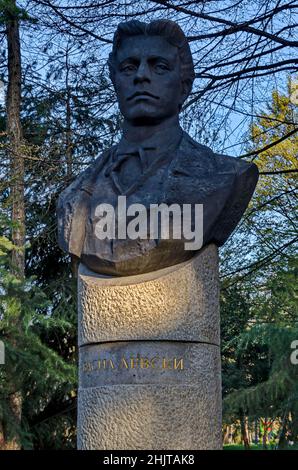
267, 234
32, 368
276, 124
259, 308
9, 10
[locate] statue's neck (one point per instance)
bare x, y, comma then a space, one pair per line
134, 133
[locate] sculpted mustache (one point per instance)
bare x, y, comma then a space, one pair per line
138, 93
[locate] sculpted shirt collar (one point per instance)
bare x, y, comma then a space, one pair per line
161, 142
150, 153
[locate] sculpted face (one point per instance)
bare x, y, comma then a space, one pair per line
148, 79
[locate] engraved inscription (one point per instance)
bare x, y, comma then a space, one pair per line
134, 362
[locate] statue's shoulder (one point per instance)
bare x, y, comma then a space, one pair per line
86, 178
72, 206
232, 179
216, 161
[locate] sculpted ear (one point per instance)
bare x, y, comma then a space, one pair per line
186, 86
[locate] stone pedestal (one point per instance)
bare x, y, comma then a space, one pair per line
149, 358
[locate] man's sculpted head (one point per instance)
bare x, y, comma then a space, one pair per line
152, 70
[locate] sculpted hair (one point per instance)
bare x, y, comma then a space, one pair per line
168, 29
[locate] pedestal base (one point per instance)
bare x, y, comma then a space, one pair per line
149, 373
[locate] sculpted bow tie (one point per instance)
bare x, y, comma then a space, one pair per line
114, 169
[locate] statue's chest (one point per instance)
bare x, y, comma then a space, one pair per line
120, 192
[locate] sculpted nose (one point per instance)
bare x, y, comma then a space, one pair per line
143, 73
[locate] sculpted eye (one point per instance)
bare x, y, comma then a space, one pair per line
128, 68
160, 67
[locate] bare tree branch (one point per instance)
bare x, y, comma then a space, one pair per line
255, 153
234, 26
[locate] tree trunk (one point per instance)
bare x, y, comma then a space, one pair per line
226, 434
244, 431
282, 441
15, 138
69, 147
17, 171
265, 433
68, 134
256, 431
294, 427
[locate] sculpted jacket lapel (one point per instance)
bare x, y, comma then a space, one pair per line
73, 207
198, 177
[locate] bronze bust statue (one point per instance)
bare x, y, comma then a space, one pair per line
155, 161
